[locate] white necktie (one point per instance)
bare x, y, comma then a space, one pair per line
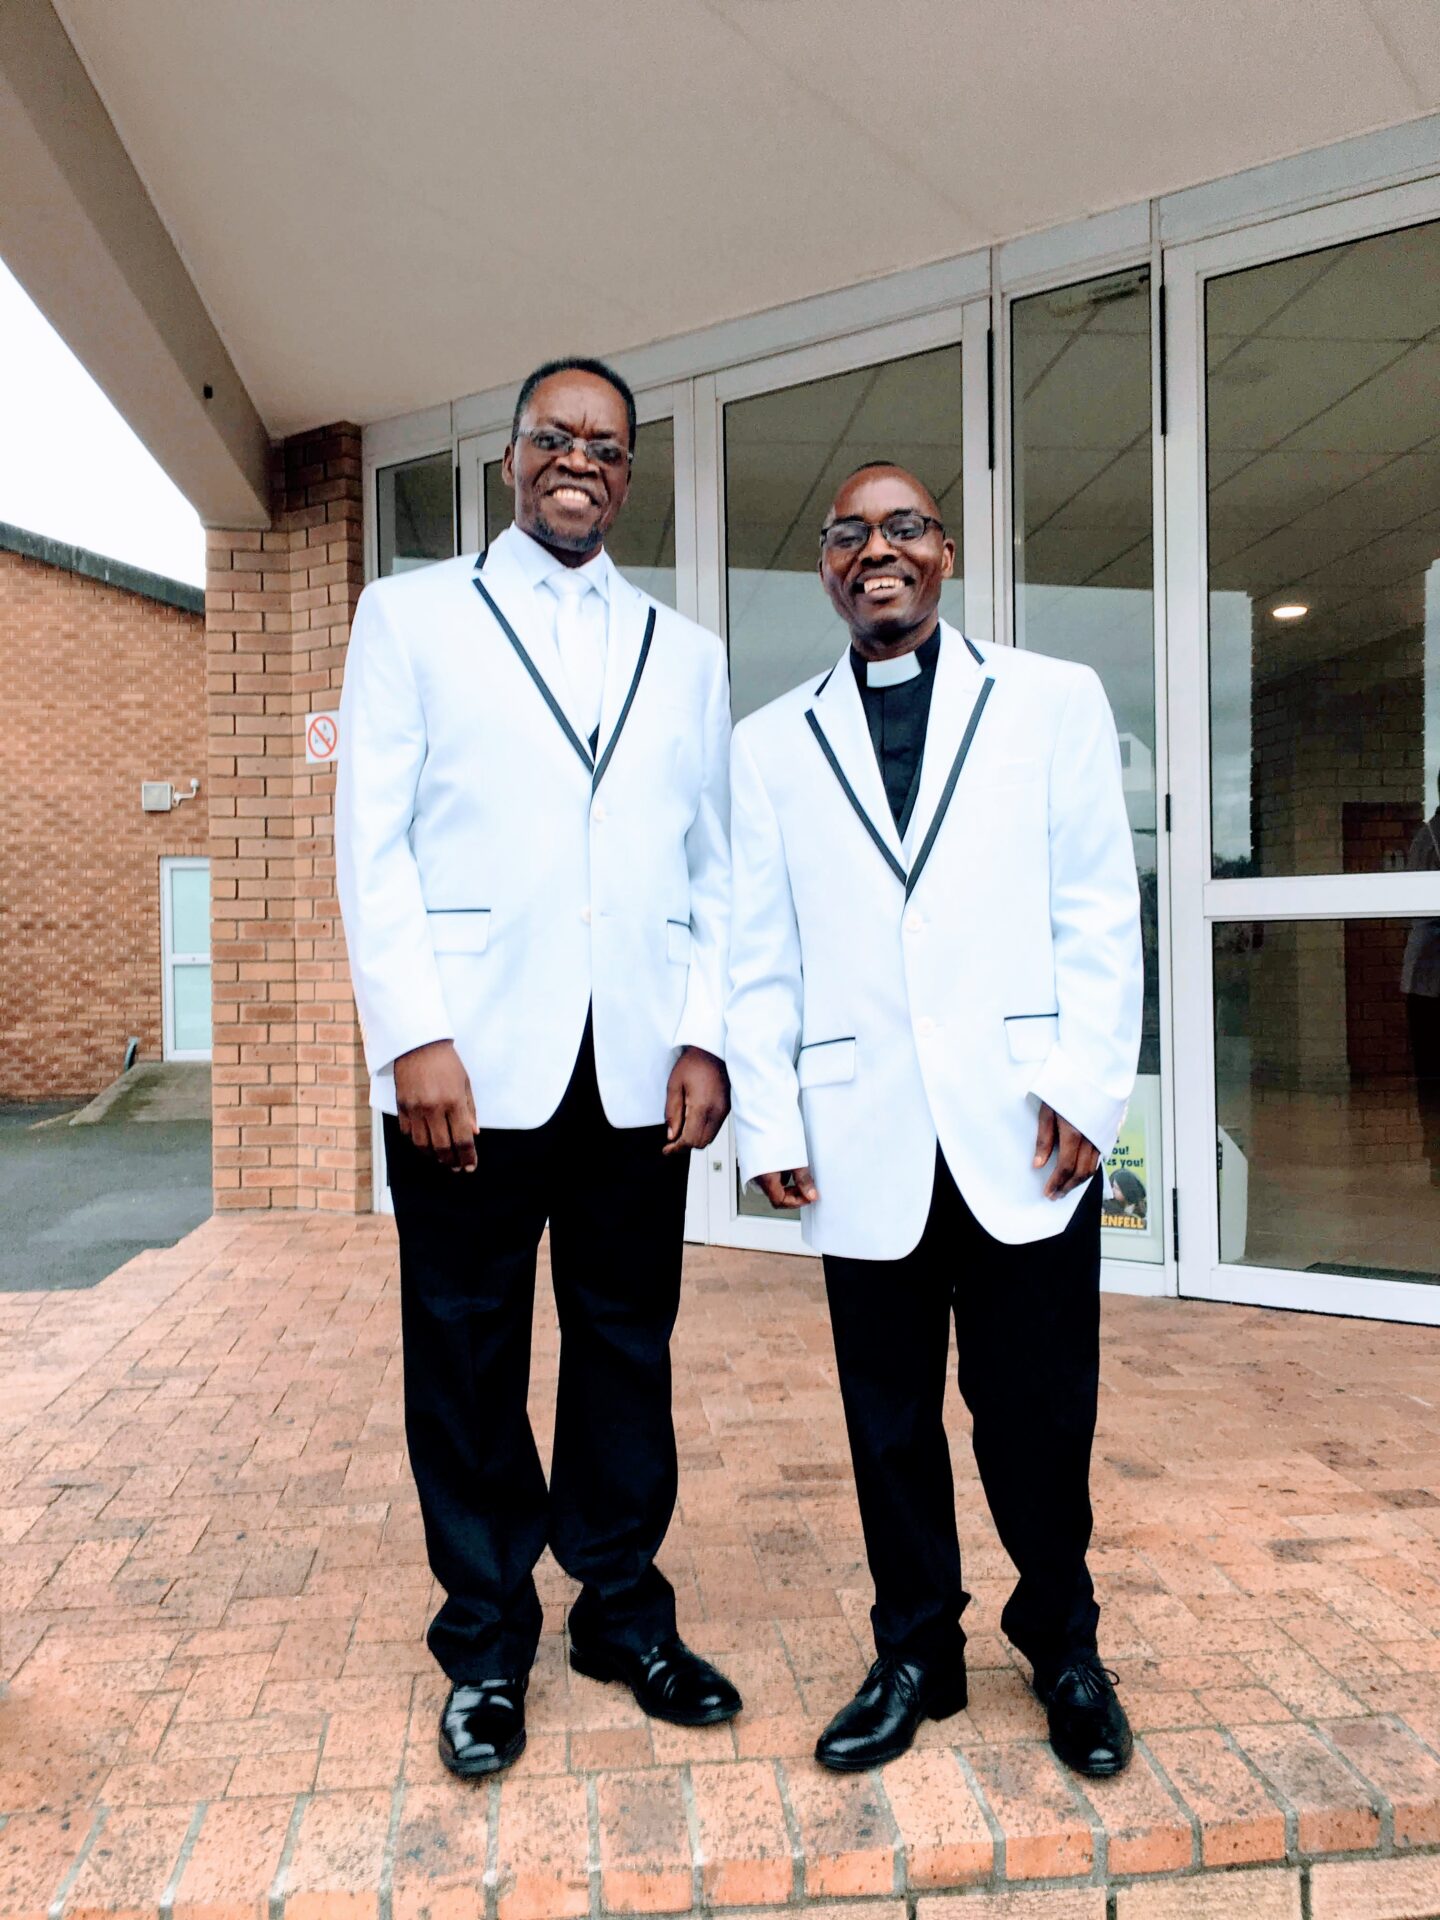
580, 639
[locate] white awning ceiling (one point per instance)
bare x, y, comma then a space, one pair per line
383, 206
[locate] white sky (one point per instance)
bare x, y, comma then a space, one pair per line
69, 465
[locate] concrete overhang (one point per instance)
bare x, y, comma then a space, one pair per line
381, 208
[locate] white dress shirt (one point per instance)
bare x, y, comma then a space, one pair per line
574, 605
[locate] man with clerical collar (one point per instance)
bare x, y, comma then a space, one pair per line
932, 1032
533, 867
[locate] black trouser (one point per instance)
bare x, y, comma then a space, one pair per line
468, 1242
1422, 1013
1027, 1322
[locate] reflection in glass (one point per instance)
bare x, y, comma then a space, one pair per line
1323, 448
785, 455
415, 513
1327, 1071
1084, 590
642, 541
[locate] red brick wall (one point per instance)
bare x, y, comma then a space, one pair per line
99, 689
292, 1124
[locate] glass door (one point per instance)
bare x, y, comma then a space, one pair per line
782, 434
1304, 486
185, 957
1084, 587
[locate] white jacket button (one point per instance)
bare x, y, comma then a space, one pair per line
597, 812
913, 922
585, 915
924, 1026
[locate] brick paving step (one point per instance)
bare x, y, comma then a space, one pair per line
218, 1704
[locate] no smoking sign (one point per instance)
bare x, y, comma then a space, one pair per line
322, 738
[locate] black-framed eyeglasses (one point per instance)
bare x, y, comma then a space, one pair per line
902, 528
554, 443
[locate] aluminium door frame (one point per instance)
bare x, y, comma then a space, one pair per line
1201, 902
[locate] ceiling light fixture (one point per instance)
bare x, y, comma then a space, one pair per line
1291, 611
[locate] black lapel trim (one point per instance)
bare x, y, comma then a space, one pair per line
950, 786
979, 657
854, 799
629, 701
535, 674
823, 684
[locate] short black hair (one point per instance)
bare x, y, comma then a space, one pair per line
866, 465
575, 363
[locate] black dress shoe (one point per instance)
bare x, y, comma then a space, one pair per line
670, 1682
1088, 1727
482, 1728
880, 1722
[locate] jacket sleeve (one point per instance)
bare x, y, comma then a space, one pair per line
382, 750
707, 853
765, 1012
1089, 1074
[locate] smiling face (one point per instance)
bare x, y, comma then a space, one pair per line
567, 501
886, 592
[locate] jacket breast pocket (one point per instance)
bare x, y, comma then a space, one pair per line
677, 942
1030, 1036
459, 930
826, 1063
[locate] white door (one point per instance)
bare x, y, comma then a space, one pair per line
1303, 482
773, 439
185, 957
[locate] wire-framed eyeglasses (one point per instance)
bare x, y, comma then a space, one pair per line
902, 529
554, 443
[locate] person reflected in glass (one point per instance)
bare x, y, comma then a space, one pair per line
1420, 984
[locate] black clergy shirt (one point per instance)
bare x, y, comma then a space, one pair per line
897, 718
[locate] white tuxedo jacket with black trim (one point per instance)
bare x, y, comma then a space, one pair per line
496, 877
886, 995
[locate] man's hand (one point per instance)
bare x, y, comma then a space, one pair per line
437, 1108
786, 1191
696, 1100
1076, 1161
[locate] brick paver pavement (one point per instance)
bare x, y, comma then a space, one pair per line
220, 1706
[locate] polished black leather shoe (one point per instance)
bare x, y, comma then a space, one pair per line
670, 1682
880, 1723
482, 1728
1088, 1727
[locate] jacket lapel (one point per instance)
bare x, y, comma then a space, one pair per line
503, 590
630, 634
963, 684
836, 718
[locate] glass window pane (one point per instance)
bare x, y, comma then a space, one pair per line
785, 454
642, 541
192, 1009
189, 910
1327, 1071
415, 513
1084, 590
1323, 448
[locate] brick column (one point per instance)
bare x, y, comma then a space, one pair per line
292, 1127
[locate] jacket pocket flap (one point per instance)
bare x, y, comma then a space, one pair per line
459, 930
824, 1063
1030, 1036
677, 941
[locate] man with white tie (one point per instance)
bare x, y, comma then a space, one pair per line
533, 868
933, 1027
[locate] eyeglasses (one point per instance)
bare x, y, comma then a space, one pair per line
902, 529
554, 442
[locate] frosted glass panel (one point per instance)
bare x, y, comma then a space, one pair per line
192, 1009
190, 909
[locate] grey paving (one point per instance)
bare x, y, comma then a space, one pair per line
78, 1201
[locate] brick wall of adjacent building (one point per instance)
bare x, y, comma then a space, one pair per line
292, 1127
101, 687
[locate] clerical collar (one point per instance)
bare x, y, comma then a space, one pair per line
883, 674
